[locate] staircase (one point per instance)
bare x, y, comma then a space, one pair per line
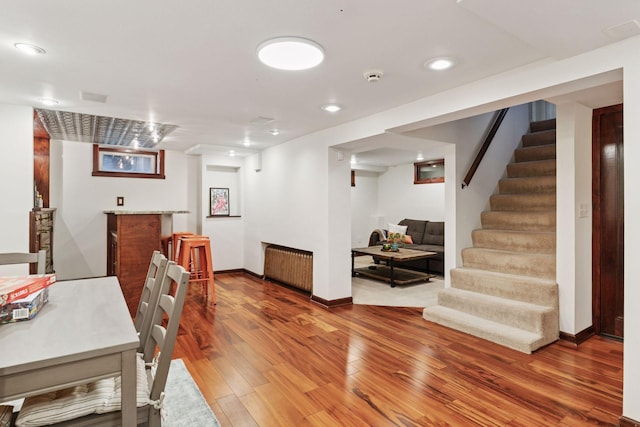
506, 290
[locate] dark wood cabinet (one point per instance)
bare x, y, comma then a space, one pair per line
131, 240
41, 236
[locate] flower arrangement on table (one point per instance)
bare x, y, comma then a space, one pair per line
394, 240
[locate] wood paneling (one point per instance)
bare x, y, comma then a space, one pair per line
267, 356
41, 159
131, 239
608, 221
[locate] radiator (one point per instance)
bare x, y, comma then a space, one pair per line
293, 267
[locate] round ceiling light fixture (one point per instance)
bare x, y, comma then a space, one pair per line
290, 53
439, 64
29, 49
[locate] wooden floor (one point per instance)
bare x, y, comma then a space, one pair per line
266, 356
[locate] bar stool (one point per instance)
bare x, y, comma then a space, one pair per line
195, 257
175, 244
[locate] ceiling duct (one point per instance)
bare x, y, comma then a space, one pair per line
81, 127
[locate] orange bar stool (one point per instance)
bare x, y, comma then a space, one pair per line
195, 257
175, 244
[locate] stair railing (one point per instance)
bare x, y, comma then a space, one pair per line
485, 146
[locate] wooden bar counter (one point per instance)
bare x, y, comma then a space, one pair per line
132, 236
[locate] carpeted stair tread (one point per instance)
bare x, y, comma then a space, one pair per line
508, 336
506, 291
523, 202
533, 290
522, 315
540, 152
528, 185
535, 265
542, 137
538, 242
524, 221
541, 125
532, 168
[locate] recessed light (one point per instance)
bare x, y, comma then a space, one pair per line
30, 49
290, 53
419, 157
331, 108
439, 64
48, 101
274, 132
246, 143
232, 153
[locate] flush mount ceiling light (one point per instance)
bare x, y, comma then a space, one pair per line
439, 64
29, 49
331, 108
290, 53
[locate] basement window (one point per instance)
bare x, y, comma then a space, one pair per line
429, 172
127, 163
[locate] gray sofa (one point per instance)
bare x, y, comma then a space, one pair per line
426, 236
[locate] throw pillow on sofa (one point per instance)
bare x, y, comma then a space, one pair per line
395, 228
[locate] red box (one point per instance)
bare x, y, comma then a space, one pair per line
16, 287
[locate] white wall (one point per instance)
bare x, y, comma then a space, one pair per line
399, 197
364, 207
573, 235
388, 197
80, 245
16, 178
631, 389
225, 233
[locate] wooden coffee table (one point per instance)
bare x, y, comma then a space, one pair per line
391, 274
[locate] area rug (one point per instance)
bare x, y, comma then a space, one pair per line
376, 292
185, 406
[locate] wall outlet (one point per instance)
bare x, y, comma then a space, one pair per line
120, 201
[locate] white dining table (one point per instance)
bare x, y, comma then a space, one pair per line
82, 334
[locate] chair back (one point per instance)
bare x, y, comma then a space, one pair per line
149, 298
168, 311
40, 258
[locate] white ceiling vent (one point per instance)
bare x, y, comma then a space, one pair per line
623, 31
94, 97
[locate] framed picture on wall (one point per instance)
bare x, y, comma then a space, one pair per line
219, 201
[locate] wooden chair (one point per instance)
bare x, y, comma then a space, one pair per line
149, 297
157, 353
39, 258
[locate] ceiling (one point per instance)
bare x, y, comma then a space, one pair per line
193, 64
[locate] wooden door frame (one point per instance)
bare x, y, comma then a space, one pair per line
596, 286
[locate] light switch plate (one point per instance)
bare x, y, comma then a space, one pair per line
120, 201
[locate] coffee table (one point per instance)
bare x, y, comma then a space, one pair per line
391, 274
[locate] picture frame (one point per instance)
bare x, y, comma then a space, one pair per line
219, 201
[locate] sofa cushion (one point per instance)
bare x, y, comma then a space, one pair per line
415, 229
430, 248
434, 233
